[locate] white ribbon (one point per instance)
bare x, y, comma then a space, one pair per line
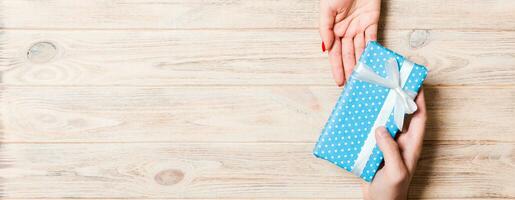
404, 103
398, 101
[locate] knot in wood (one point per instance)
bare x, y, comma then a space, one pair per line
418, 38
169, 177
41, 52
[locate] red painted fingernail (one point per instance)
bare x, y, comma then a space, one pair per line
323, 47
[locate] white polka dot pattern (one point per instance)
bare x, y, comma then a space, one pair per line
356, 111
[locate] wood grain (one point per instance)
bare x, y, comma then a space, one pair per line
227, 114
225, 57
240, 14
149, 99
236, 170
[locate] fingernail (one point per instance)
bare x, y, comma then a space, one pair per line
323, 47
381, 131
341, 84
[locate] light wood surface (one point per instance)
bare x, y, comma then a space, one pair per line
236, 170
227, 114
233, 57
223, 99
241, 14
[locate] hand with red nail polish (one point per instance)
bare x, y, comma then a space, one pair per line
345, 27
400, 158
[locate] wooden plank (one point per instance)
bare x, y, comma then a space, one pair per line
70, 198
489, 198
227, 114
247, 199
236, 170
194, 14
226, 57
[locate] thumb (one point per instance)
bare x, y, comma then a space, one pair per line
327, 17
390, 149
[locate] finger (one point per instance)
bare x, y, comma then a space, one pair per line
371, 33
416, 133
353, 29
348, 56
366, 191
341, 27
390, 149
335, 58
327, 15
359, 45
418, 121
339, 17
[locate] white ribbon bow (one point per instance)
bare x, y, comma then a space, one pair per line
404, 100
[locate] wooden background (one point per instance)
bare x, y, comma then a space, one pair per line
226, 98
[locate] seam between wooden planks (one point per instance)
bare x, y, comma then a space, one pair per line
426, 142
240, 29
3, 86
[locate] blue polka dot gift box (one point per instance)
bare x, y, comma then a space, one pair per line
380, 92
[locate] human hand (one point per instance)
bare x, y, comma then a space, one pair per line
392, 181
345, 27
